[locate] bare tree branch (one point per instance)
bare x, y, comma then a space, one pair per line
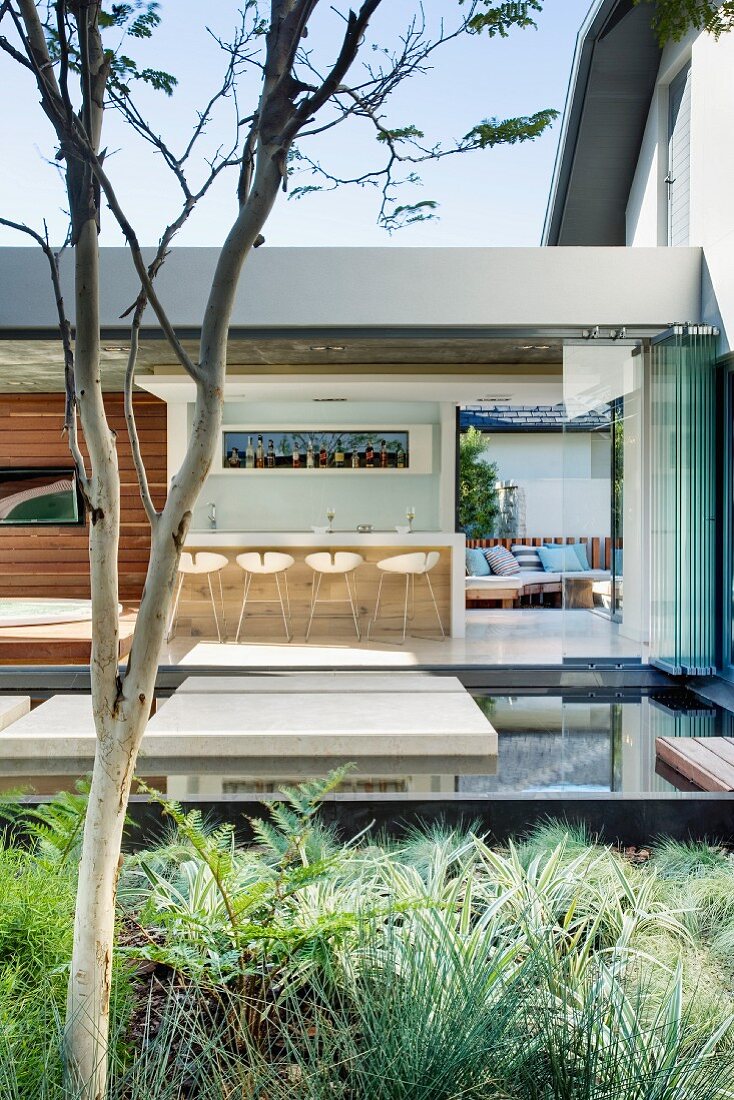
132, 430
70, 414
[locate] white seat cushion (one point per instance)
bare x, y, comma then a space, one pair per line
415, 563
528, 577
269, 562
201, 562
514, 584
343, 561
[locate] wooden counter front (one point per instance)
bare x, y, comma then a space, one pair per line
333, 622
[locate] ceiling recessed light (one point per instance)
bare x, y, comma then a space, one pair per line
327, 347
532, 347
116, 350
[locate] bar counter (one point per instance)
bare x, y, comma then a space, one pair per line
447, 577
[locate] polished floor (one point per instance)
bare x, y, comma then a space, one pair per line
493, 637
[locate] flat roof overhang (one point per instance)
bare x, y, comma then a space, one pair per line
356, 311
613, 76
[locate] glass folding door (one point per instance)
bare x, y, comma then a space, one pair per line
683, 500
602, 565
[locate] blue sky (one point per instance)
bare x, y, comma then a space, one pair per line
494, 197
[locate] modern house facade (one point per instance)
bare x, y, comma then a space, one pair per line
640, 164
623, 309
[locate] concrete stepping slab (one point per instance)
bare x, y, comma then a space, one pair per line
269, 726
328, 724
319, 682
13, 707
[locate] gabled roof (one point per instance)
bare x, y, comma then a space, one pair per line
612, 80
533, 418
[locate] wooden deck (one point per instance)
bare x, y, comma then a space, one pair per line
57, 643
705, 762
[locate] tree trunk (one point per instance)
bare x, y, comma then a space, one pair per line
88, 1006
121, 705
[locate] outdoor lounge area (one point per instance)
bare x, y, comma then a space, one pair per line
524, 579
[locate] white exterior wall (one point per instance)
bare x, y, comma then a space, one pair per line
712, 170
282, 287
576, 506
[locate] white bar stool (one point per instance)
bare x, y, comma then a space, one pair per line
197, 565
410, 566
343, 563
270, 564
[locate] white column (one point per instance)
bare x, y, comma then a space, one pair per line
177, 431
447, 480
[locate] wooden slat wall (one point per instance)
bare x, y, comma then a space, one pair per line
54, 561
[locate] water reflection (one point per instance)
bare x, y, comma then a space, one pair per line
546, 744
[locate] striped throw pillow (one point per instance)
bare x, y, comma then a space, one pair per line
527, 558
501, 561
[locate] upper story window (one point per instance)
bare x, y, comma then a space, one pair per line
678, 180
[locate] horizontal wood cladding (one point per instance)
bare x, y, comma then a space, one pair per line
54, 561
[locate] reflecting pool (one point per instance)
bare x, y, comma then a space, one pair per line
547, 744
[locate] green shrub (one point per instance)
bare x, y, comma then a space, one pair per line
437, 967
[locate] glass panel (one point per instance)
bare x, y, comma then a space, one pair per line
683, 501
603, 592
729, 490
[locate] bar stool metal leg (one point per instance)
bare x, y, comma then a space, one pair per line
405, 609
373, 620
245, 593
221, 603
285, 609
352, 604
214, 606
286, 618
314, 599
435, 605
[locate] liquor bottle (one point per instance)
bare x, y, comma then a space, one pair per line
383, 454
339, 454
249, 454
401, 459
271, 455
355, 459
323, 456
309, 456
296, 457
369, 456
260, 454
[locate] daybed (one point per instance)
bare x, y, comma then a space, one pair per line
581, 588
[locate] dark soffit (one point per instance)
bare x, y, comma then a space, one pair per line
615, 68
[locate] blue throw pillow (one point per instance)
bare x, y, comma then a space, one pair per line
560, 559
579, 549
476, 564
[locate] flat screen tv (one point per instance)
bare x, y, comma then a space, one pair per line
40, 496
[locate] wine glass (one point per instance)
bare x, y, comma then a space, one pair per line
330, 513
410, 516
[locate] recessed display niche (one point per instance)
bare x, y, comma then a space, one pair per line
323, 449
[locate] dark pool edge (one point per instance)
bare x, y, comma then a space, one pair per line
40, 681
616, 819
